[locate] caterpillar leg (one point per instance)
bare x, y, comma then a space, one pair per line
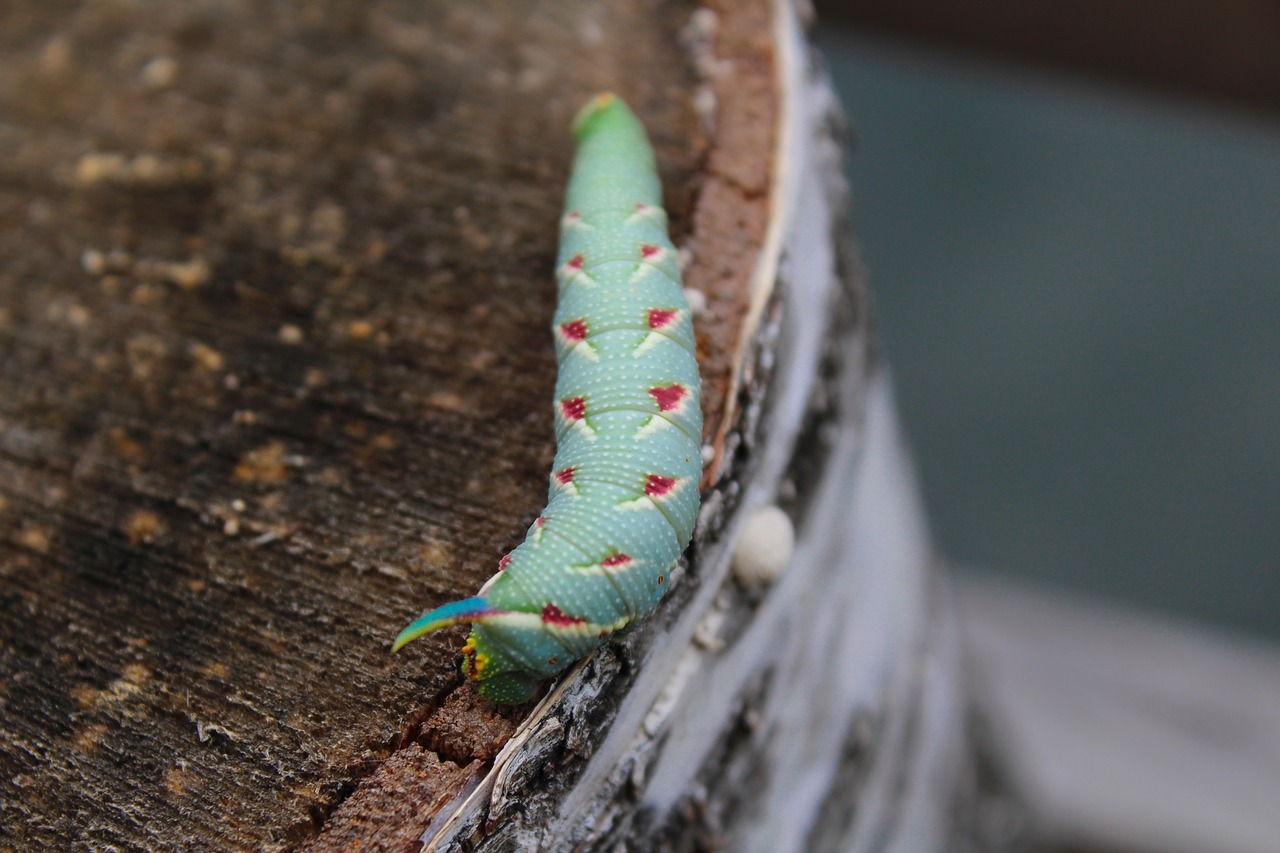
501, 679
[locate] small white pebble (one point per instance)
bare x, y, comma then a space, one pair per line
705, 105
704, 22
590, 32
160, 73
97, 167
290, 334
93, 262
697, 300
189, 275
764, 548
78, 316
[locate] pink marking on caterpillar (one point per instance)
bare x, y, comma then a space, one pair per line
574, 330
553, 615
661, 318
669, 398
658, 486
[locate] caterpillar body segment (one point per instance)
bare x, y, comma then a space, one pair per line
623, 490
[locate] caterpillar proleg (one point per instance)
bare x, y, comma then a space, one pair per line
623, 492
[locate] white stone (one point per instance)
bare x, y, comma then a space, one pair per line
764, 548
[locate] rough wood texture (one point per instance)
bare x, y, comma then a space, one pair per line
274, 371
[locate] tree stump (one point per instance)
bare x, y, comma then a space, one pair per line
274, 303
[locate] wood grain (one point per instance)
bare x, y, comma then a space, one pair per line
274, 376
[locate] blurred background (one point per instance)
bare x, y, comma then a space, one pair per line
1071, 224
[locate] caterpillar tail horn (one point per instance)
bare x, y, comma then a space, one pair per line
502, 678
454, 613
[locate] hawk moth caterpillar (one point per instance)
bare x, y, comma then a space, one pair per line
623, 493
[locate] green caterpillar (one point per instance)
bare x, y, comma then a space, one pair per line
624, 495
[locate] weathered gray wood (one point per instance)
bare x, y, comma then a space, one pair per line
1126, 731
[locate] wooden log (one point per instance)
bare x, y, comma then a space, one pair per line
274, 293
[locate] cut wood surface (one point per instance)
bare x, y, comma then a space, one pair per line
275, 375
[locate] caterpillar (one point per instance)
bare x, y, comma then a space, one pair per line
623, 494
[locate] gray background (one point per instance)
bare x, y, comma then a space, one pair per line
1079, 288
